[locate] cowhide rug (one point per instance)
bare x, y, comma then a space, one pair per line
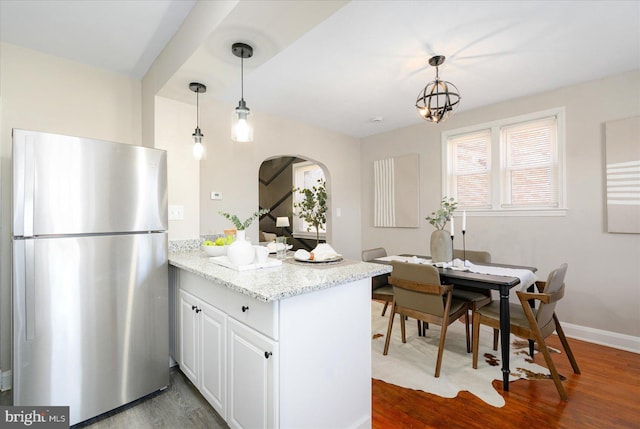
412, 365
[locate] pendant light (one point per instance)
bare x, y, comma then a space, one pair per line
242, 125
437, 101
198, 148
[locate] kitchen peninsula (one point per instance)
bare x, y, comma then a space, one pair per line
285, 347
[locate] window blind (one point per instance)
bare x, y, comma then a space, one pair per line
530, 164
471, 169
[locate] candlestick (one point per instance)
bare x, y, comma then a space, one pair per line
464, 221
452, 234
464, 249
452, 250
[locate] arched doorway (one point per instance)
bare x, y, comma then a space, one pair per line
277, 178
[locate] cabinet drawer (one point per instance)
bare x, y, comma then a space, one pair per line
261, 316
206, 290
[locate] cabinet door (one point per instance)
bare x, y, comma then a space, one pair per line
189, 336
253, 364
213, 347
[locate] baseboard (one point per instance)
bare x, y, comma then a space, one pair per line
6, 380
606, 338
363, 423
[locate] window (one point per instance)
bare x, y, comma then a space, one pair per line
513, 166
470, 174
305, 175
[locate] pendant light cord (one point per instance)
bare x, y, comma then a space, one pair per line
242, 74
198, 108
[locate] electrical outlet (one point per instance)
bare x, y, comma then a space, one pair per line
176, 212
216, 195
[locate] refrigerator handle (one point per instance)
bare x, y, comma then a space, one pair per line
29, 290
29, 187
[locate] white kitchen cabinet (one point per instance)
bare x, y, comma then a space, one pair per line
298, 362
189, 336
213, 366
203, 348
252, 370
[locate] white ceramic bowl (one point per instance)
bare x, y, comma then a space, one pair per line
215, 250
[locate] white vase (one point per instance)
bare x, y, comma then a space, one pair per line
241, 252
441, 246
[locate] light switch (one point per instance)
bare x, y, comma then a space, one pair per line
176, 212
338, 212
216, 195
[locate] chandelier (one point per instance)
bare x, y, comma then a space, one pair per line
437, 101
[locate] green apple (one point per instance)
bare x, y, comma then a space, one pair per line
220, 241
208, 243
229, 239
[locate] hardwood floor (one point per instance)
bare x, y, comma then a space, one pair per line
605, 395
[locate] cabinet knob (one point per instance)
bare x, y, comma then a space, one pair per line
193, 307
267, 354
198, 310
245, 308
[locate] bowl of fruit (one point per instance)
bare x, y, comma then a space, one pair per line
217, 247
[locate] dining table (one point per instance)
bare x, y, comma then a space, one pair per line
460, 276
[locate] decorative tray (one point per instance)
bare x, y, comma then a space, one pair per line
225, 262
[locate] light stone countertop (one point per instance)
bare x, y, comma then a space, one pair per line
271, 284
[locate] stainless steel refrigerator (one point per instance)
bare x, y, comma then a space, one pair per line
90, 273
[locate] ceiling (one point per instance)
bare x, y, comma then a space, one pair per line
352, 67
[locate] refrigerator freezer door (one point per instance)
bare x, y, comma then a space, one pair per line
90, 321
67, 185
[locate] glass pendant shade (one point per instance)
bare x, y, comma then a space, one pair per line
198, 149
242, 124
437, 101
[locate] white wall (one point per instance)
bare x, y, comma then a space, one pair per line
174, 124
232, 168
603, 279
45, 93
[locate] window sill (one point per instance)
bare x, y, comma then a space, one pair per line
309, 235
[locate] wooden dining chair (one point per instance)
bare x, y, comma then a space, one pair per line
530, 323
381, 290
477, 298
417, 293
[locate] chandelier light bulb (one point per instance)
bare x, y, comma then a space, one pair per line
241, 128
198, 151
242, 131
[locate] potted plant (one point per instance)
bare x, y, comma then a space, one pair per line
313, 207
440, 244
241, 252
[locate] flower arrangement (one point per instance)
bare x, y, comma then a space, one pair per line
241, 226
440, 218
